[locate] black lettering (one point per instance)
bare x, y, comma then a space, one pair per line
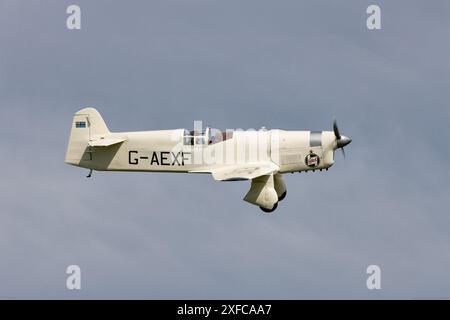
164, 157
175, 158
154, 159
183, 158
135, 161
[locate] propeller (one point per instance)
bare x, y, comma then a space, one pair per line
341, 141
343, 152
336, 130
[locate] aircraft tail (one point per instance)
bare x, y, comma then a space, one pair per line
87, 124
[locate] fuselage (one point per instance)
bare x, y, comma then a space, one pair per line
178, 151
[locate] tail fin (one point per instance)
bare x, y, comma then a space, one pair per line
87, 124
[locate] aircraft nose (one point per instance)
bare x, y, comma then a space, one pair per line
343, 141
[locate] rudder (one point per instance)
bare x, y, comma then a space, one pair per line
86, 124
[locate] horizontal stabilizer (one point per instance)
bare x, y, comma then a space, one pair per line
105, 142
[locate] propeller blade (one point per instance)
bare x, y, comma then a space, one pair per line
343, 152
336, 130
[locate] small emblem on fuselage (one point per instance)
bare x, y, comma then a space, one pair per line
312, 160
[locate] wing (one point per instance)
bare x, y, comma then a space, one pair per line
105, 142
242, 171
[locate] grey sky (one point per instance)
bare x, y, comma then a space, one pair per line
232, 64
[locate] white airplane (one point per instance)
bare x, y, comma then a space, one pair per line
261, 156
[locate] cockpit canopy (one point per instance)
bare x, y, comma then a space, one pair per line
206, 137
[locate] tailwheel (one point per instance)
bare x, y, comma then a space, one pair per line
282, 196
270, 210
